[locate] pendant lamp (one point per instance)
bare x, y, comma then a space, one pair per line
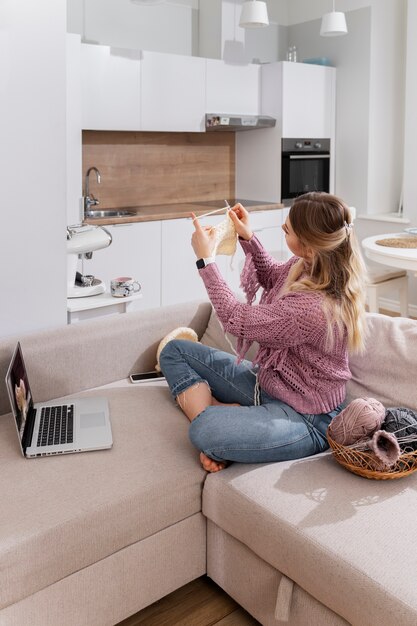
333, 24
254, 14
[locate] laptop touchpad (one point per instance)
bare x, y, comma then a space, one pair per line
92, 420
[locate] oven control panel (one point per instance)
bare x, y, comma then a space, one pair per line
306, 145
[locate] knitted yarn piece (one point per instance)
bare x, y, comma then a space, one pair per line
226, 237
386, 449
179, 333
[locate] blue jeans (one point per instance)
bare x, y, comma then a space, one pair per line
264, 433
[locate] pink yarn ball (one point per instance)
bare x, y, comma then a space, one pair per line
359, 420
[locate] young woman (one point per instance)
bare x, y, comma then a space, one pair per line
310, 314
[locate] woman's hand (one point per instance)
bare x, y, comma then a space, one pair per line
203, 240
240, 218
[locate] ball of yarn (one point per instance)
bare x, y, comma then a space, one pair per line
359, 420
402, 423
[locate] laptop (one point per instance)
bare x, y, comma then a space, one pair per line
78, 425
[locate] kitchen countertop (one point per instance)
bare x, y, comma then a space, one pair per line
176, 211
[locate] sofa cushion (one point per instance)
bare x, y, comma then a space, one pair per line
388, 367
215, 337
345, 540
61, 514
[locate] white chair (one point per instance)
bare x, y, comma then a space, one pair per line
383, 280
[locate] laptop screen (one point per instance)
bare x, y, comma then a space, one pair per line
20, 395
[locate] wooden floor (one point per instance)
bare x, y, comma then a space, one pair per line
200, 603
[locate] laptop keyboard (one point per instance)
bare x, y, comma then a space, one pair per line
56, 425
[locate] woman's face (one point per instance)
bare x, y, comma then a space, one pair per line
293, 242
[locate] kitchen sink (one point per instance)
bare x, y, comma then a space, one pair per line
110, 213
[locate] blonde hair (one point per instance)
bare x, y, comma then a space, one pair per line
322, 223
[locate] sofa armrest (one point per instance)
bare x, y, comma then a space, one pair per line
73, 358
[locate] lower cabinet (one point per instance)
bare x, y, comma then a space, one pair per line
181, 281
159, 255
267, 226
135, 251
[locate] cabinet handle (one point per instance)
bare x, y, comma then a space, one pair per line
121, 225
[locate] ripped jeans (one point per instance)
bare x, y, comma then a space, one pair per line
251, 433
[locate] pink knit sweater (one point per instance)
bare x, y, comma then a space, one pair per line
291, 329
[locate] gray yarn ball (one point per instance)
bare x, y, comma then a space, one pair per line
402, 422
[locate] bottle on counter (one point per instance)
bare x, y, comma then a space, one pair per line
292, 54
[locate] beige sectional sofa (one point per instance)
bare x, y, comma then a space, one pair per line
89, 539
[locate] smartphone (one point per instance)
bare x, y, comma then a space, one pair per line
146, 377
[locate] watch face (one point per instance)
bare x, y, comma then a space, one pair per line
200, 264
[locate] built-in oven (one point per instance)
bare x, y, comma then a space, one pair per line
305, 166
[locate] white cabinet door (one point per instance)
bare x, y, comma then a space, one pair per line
267, 226
110, 79
135, 251
173, 92
181, 281
308, 107
232, 88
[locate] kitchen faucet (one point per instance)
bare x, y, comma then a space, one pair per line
90, 200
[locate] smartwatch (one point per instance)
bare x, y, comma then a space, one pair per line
201, 263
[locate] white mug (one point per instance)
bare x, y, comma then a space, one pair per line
124, 286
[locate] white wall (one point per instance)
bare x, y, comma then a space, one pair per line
410, 124
167, 27
32, 165
386, 105
350, 55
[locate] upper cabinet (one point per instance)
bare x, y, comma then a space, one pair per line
232, 88
301, 96
173, 92
110, 87
155, 91
308, 100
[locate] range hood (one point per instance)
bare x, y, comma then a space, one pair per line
222, 121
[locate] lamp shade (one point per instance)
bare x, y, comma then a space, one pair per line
333, 24
254, 14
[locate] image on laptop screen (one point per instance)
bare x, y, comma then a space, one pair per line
19, 390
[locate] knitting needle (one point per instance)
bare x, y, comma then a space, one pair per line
228, 207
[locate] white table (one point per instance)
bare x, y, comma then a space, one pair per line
403, 258
79, 309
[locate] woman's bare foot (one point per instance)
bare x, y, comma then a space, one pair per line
210, 465
215, 402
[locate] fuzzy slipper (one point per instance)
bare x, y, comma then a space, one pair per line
179, 333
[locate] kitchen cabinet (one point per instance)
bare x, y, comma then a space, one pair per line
308, 104
173, 92
180, 278
267, 226
301, 96
232, 88
135, 251
110, 86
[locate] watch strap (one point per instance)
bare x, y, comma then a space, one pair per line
201, 263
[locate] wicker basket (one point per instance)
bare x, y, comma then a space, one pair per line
363, 463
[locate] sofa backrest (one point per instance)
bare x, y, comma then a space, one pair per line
388, 368
73, 358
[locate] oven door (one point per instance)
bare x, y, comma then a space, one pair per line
301, 173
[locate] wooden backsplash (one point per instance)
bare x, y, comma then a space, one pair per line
145, 168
